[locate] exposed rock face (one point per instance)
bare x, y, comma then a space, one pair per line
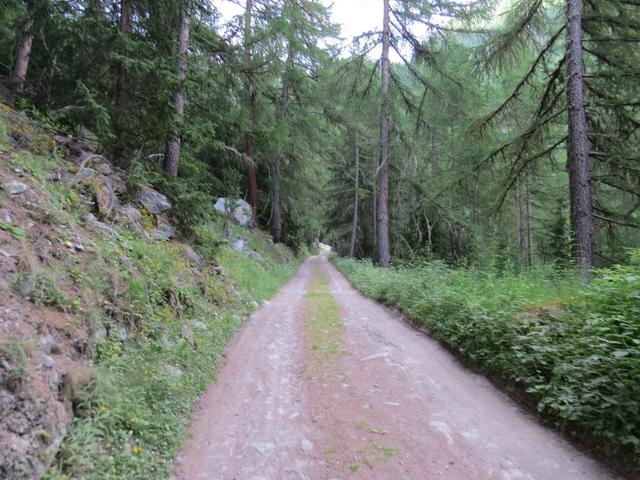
153, 201
238, 209
31, 427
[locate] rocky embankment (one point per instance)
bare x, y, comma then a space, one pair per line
67, 284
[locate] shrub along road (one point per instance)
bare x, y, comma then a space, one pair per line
324, 383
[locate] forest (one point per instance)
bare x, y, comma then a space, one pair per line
498, 138
474, 163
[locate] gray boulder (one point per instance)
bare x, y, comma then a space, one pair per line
14, 187
238, 209
153, 201
129, 216
163, 231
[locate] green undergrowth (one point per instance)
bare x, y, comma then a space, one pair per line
165, 331
164, 339
575, 348
155, 325
163, 343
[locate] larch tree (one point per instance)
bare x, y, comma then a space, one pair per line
276, 181
298, 29
172, 152
23, 47
562, 44
578, 142
249, 102
356, 196
399, 19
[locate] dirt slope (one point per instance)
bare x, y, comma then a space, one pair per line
392, 404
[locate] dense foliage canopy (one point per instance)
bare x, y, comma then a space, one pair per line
511, 139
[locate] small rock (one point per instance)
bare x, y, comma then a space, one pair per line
47, 361
195, 258
14, 187
62, 140
54, 176
198, 325
307, 445
5, 216
239, 244
47, 342
218, 269
129, 216
153, 201
105, 196
100, 334
186, 332
83, 175
104, 168
122, 334
173, 372
265, 448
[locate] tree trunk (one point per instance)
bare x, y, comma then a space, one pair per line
126, 28
384, 249
19, 73
529, 227
276, 201
434, 155
249, 105
354, 225
122, 85
578, 145
523, 237
172, 154
276, 194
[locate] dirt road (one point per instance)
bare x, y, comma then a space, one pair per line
389, 403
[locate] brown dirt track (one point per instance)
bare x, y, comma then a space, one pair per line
393, 404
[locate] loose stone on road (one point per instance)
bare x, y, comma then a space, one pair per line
377, 401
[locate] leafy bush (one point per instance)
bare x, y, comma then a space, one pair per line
575, 348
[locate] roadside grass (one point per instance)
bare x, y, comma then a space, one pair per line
323, 323
155, 326
165, 334
575, 349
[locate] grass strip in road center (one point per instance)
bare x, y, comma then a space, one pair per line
323, 322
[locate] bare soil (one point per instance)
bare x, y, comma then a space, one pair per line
391, 404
